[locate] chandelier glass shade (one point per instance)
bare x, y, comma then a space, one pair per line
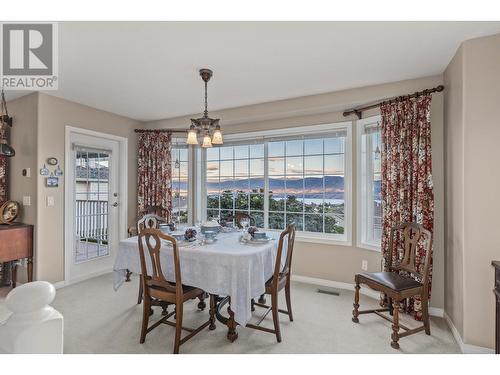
209, 127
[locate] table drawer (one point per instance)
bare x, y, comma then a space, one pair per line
16, 243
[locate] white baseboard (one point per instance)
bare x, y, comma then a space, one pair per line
465, 348
433, 311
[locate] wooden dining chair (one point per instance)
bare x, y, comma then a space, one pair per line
280, 280
146, 222
157, 288
402, 280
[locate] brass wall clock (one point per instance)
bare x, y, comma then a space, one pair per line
8, 212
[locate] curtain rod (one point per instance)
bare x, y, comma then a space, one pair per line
159, 131
358, 111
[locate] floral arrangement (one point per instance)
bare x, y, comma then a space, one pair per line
252, 230
190, 234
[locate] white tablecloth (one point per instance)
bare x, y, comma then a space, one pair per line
226, 268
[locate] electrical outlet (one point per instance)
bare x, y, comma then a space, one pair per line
364, 265
26, 200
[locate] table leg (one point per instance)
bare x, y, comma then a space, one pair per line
232, 335
213, 305
14, 274
262, 299
30, 270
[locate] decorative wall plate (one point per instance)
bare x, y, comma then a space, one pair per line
8, 212
52, 161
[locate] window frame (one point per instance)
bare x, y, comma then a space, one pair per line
180, 142
312, 130
362, 216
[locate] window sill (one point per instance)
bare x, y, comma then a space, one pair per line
367, 246
323, 239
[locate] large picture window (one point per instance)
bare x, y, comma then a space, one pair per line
369, 183
293, 178
180, 167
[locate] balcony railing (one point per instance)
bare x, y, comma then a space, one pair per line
91, 229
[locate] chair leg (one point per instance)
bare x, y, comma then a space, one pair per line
395, 325
276, 321
139, 297
178, 327
145, 318
252, 303
212, 311
355, 312
425, 314
288, 300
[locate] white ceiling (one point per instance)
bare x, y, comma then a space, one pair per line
149, 70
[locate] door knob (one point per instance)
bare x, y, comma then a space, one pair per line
115, 204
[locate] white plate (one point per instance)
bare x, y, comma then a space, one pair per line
256, 240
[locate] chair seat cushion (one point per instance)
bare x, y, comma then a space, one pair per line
391, 280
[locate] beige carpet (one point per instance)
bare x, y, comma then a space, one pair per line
100, 320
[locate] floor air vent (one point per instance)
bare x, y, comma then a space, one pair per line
332, 292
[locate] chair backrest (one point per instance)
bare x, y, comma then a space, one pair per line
151, 238
149, 221
289, 234
238, 216
413, 237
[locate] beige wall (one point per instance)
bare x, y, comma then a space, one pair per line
334, 262
454, 187
473, 113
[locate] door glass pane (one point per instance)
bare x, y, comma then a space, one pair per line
91, 204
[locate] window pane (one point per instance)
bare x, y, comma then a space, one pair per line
242, 184
241, 152
212, 214
313, 223
294, 147
213, 201
226, 214
294, 165
276, 149
295, 218
313, 146
241, 201
259, 218
226, 168
226, 200
241, 167
277, 185
226, 153
334, 202
334, 224
276, 220
257, 202
276, 165
227, 184
257, 151
276, 202
334, 145
213, 185
313, 165
183, 154
334, 164
294, 185
294, 203
257, 167
257, 185
213, 153
213, 169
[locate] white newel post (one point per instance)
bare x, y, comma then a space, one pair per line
33, 326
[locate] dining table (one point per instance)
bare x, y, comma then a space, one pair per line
232, 270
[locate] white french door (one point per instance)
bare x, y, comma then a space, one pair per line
93, 205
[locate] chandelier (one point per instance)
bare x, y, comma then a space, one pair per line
205, 125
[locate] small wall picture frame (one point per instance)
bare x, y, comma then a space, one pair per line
58, 171
52, 161
44, 171
52, 181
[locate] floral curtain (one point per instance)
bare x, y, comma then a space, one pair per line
154, 172
407, 190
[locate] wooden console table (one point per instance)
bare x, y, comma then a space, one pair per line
496, 264
16, 242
